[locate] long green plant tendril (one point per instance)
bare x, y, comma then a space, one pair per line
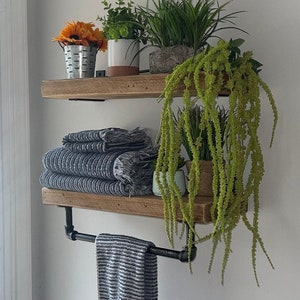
238, 165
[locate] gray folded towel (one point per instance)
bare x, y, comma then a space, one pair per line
105, 140
125, 270
128, 167
64, 161
53, 180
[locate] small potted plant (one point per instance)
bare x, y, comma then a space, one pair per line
179, 178
122, 27
199, 135
81, 42
181, 29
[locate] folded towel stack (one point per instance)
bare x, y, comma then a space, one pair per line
110, 161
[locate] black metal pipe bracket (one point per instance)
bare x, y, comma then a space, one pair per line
183, 255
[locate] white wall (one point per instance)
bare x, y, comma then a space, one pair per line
66, 270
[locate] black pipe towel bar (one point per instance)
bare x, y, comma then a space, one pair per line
74, 235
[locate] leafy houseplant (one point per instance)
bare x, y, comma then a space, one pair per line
184, 26
122, 21
81, 42
199, 130
179, 177
173, 23
233, 187
199, 134
122, 27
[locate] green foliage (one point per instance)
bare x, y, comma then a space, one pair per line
235, 55
180, 162
238, 165
173, 22
122, 21
199, 132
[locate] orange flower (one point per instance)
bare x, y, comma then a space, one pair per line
81, 33
101, 40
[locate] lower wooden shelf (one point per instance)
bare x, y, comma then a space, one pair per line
150, 206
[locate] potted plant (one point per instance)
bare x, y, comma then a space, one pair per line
199, 134
81, 42
122, 27
181, 29
179, 178
238, 167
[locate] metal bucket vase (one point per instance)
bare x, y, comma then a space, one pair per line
80, 61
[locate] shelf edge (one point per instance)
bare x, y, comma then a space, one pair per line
148, 206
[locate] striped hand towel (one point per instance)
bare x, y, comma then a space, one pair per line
125, 270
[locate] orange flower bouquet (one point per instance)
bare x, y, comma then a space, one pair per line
81, 33
81, 42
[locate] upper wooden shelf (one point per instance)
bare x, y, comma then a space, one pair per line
102, 88
150, 206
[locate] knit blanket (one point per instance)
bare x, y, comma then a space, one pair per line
106, 140
125, 270
128, 167
93, 185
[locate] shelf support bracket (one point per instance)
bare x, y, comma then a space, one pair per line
74, 235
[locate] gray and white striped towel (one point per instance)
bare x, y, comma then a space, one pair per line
128, 167
93, 185
107, 140
125, 270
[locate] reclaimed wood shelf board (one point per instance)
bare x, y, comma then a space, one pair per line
119, 87
150, 206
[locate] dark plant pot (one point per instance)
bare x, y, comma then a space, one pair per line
165, 59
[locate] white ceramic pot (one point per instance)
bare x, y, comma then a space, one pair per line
179, 180
123, 58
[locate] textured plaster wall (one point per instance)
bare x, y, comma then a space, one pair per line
66, 270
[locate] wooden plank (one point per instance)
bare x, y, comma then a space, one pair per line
150, 206
137, 86
120, 87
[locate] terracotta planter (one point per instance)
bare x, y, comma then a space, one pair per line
206, 177
179, 179
122, 58
164, 60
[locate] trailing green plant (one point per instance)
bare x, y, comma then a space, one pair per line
122, 21
198, 129
238, 166
172, 23
180, 162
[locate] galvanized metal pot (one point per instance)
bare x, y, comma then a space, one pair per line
80, 61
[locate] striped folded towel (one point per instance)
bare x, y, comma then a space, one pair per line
125, 270
107, 140
63, 161
128, 167
74, 183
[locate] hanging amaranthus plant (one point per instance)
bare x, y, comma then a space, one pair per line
238, 165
